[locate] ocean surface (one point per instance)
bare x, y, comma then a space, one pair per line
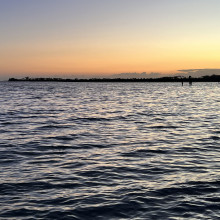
109, 150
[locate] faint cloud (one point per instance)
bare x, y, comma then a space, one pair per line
136, 75
199, 72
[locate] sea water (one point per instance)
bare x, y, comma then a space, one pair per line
73, 150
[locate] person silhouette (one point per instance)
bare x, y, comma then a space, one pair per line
190, 80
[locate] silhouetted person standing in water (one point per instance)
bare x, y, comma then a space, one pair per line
190, 80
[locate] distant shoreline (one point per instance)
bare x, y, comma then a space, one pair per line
212, 78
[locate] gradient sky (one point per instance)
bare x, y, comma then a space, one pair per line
70, 37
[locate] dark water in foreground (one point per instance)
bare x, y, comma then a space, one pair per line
109, 150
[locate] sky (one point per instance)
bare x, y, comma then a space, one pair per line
100, 37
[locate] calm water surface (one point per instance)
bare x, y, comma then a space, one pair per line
109, 150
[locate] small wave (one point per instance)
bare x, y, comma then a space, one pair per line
91, 146
53, 126
15, 188
144, 152
163, 127
215, 138
98, 119
63, 138
189, 188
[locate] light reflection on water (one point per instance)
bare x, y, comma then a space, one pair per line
109, 150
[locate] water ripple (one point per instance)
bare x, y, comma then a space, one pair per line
109, 150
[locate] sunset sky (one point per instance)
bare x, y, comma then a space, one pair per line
88, 37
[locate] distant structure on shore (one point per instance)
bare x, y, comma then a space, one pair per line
212, 78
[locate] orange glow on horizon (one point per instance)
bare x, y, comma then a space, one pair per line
105, 60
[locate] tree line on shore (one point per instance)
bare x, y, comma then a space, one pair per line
212, 78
